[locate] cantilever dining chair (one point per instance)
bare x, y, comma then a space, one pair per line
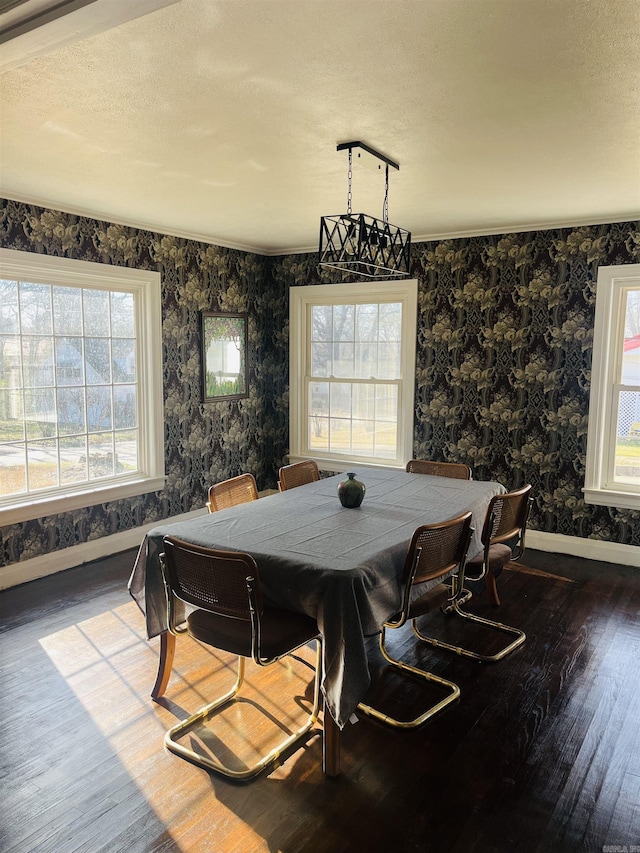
237, 490
224, 587
298, 474
503, 536
435, 552
457, 470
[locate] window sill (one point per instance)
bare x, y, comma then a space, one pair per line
610, 497
55, 504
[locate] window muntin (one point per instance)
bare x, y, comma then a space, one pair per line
353, 372
80, 421
613, 444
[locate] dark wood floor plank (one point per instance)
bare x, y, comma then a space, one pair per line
540, 754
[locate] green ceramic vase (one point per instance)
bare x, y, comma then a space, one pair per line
351, 492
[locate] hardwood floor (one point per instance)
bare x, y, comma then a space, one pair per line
541, 753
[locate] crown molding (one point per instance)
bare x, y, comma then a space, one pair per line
211, 239
32, 28
139, 224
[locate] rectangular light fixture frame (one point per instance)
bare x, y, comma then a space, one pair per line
363, 245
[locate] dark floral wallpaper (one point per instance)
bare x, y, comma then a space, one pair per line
204, 443
505, 335
505, 331
505, 342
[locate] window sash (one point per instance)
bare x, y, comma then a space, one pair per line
612, 478
366, 431
604, 485
101, 483
368, 448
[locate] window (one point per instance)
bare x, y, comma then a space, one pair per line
613, 441
352, 381
80, 384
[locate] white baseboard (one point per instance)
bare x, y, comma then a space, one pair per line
588, 549
67, 558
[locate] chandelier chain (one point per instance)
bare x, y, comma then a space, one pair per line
385, 204
349, 177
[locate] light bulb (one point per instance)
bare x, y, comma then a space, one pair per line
373, 243
351, 240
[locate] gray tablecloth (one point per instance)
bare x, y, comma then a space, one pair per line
341, 566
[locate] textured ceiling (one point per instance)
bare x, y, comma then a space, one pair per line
219, 119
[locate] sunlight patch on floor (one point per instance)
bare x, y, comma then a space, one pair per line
111, 667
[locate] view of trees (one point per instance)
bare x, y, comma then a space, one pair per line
357, 349
224, 348
68, 394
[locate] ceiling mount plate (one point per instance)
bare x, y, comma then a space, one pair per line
368, 156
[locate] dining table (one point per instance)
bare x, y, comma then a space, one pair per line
341, 566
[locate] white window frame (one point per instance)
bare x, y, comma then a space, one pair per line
600, 488
301, 300
146, 285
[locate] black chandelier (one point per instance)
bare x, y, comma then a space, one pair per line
361, 244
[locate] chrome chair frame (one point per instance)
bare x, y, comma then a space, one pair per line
255, 610
417, 571
456, 609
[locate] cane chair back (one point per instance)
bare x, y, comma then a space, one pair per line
506, 519
237, 490
298, 474
214, 581
435, 552
230, 615
456, 470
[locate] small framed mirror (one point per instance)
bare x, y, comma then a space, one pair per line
224, 356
